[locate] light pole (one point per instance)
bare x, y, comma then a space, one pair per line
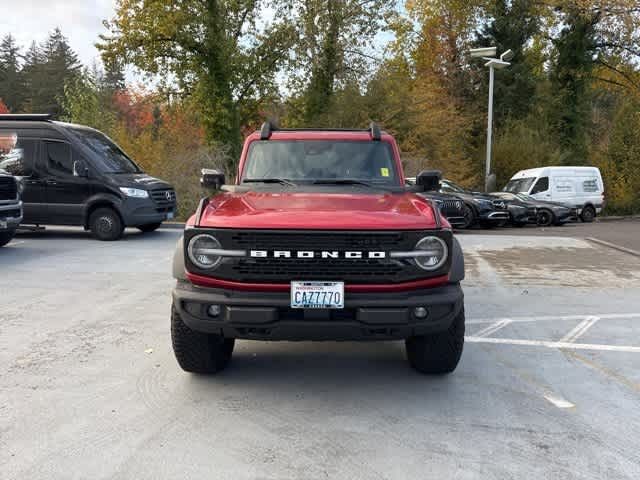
493, 63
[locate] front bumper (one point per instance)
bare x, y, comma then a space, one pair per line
11, 213
366, 316
143, 211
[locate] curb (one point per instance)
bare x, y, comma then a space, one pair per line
614, 246
613, 218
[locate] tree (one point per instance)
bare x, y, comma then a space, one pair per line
212, 49
12, 87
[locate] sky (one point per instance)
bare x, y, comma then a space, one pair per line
79, 20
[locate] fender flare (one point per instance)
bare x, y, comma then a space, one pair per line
456, 273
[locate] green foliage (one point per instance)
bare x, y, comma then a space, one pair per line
84, 103
12, 82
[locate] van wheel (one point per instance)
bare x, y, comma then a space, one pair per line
545, 218
5, 237
440, 352
199, 352
105, 224
588, 214
149, 227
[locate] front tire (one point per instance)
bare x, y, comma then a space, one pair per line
106, 225
469, 216
149, 227
6, 237
545, 218
588, 214
437, 353
198, 352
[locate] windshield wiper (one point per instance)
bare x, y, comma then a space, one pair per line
346, 181
281, 181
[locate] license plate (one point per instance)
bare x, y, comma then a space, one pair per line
317, 294
3, 225
169, 215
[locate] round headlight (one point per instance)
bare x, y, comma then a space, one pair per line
431, 253
201, 251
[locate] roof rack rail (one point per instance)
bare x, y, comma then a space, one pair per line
267, 128
26, 116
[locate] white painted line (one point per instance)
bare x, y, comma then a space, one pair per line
579, 329
544, 343
544, 318
614, 246
494, 327
558, 401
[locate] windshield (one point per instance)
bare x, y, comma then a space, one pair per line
452, 187
321, 161
109, 159
525, 197
519, 185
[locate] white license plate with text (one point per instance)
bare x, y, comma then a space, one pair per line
317, 294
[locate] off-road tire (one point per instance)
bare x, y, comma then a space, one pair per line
106, 225
437, 353
469, 216
6, 237
198, 352
545, 218
149, 227
588, 214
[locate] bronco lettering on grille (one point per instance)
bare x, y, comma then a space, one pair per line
312, 254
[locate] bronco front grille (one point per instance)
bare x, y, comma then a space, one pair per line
8, 188
365, 270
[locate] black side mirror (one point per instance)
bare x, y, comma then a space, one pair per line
80, 170
429, 180
213, 179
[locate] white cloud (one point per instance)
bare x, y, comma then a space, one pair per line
79, 20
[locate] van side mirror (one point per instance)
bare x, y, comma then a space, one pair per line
429, 180
213, 179
80, 169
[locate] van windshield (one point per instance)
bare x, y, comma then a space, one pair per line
109, 158
519, 185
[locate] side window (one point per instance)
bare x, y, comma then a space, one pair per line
590, 186
17, 154
542, 185
58, 157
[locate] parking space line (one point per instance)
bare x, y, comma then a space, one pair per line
544, 318
494, 327
579, 329
550, 344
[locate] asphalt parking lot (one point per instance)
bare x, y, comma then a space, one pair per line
548, 386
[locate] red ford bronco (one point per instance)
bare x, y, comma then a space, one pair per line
318, 239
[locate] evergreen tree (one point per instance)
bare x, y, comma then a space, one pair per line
12, 88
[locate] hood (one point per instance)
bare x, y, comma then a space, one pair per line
315, 211
138, 180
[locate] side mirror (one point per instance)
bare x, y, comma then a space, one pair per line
213, 179
429, 180
80, 170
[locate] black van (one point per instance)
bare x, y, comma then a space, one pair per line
75, 175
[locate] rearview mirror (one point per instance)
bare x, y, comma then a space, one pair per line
429, 180
79, 169
213, 179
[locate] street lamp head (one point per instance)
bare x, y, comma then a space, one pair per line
507, 56
497, 64
483, 52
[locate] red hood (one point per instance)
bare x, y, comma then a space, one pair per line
307, 211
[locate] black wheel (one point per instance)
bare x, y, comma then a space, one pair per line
6, 236
588, 214
545, 218
105, 224
149, 227
469, 216
440, 352
199, 352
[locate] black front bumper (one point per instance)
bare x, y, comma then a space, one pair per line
143, 211
366, 316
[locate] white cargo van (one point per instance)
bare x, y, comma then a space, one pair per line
575, 187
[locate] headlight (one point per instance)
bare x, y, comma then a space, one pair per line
430, 253
202, 251
483, 201
134, 192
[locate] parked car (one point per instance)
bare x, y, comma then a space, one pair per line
451, 206
479, 208
575, 187
75, 175
10, 204
544, 213
521, 211
318, 239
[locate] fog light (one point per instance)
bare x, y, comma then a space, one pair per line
420, 312
214, 310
